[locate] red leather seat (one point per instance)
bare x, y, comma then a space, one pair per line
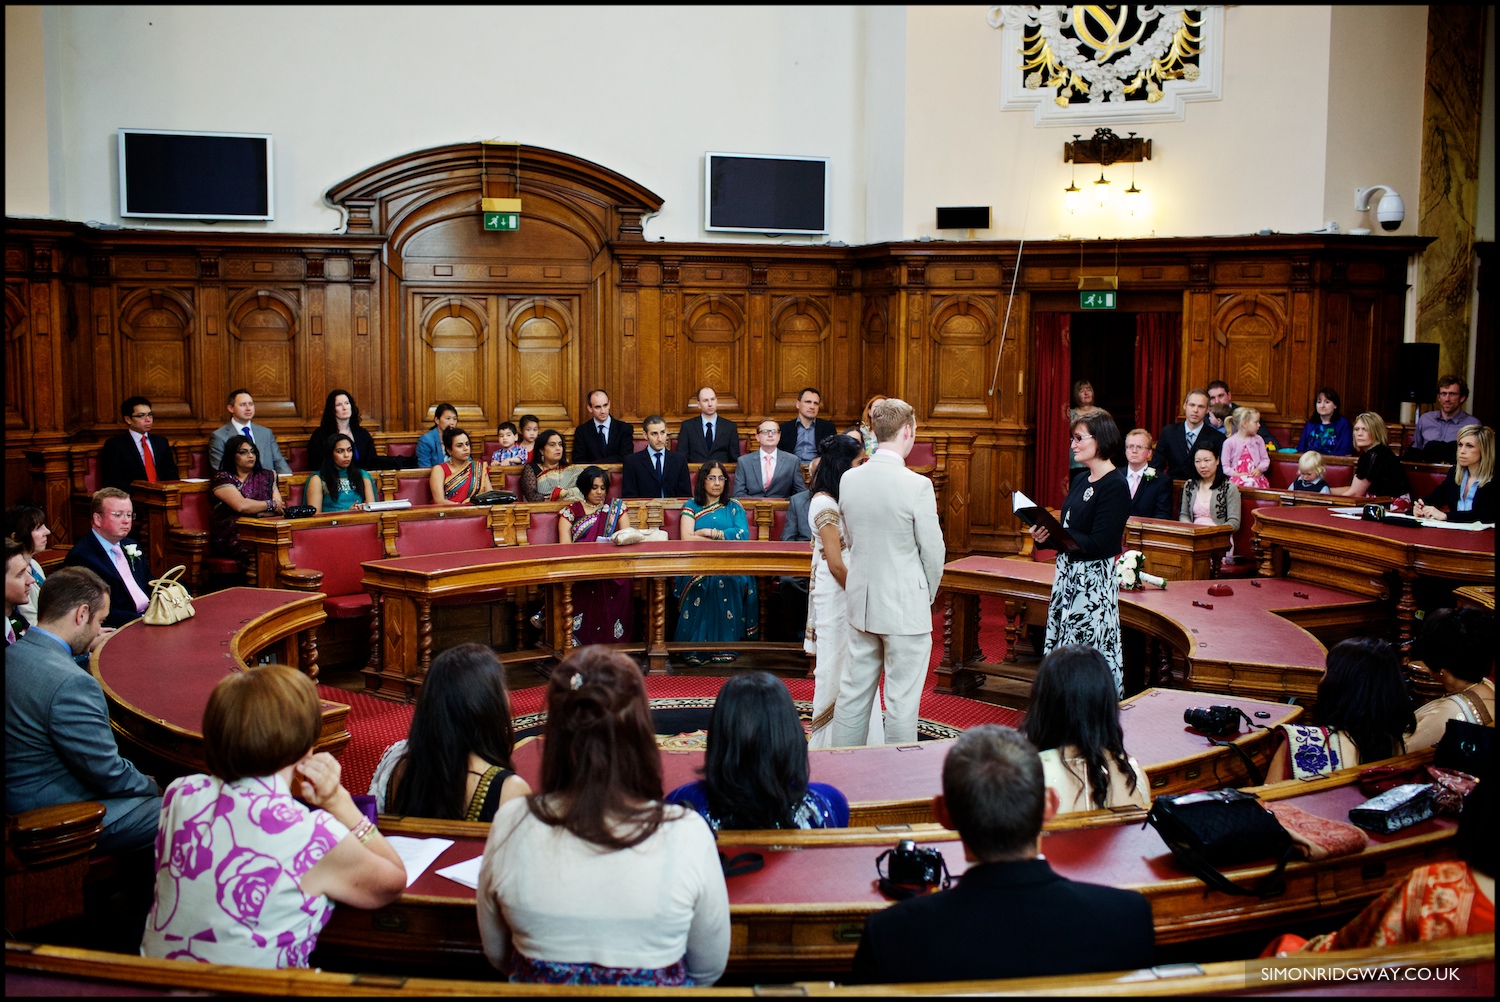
616, 484
1283, 470
778, 522
91, 474
296, 457
1338, 476
513, 483
338, 551
1426, 480
921, 455
671, 521
465, 531
401, 449
543, 528
198, 467
194, 513
296, 490
417, 490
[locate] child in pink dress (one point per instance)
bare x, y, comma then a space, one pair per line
1244, 454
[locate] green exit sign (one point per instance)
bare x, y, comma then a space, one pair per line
502, 220
1097, 299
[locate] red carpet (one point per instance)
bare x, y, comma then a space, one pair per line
375, 723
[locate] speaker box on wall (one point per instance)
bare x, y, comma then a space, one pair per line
963, 217
1417, 373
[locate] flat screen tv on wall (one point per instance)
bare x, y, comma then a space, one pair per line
760, 193
195, 175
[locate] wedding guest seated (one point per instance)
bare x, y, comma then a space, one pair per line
241, 487
1310, 470
1150, 492
1468, 495
655, 471
1363, 715
1378, 471
458, 478
861, 431
17, 589
136, 454
1458, 646
1244, 455
511, 451
340, 485
1010, 915
1210, 498
594, 880
1074, 719
547, 477
341, 414
530, 427
601, 609
26, 523
1328, 432
1435, 901
755, 769
455, 761
430, 448
246, 874
1436, 431
714, 607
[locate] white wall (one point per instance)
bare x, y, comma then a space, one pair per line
904, 100
25, 114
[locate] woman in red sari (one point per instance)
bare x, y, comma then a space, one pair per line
462, 477
601, 609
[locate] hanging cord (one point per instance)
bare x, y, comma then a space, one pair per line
1005, 328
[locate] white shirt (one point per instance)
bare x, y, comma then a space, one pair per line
552, 896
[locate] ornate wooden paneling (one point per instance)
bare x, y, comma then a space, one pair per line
963, 330
263, 325
800, 352
542, 358
156, 327
1250, 349
714, 337
18, 374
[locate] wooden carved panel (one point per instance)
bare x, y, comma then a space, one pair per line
874, 331
963, 328
542, 340
1250, 331
458, 364
800, 352
18, 374
156, 328
263, 325
710, 353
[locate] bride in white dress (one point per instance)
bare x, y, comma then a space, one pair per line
827, 612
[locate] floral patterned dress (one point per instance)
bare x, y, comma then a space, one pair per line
229, 860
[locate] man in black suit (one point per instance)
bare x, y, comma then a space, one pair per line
136, 454
109, 552
1150, 490
654, 472
601, 439
1173, 457
800, 436
708, 436
1010, 916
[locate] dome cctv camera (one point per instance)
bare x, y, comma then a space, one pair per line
1390, 211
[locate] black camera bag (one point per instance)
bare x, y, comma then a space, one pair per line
1206, 831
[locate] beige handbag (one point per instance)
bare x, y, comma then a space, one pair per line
170, 602
629, 537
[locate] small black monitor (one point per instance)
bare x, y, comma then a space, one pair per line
759, 193
195, 175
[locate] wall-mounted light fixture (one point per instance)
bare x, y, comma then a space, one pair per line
1104, 149
1071, 193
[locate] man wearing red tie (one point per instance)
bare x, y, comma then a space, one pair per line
136, 454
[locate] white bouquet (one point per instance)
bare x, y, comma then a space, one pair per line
1130, 572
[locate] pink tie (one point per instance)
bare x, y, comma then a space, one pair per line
10, 631
1135, 481
135, 590
770, 468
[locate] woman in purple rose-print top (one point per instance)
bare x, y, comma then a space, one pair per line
245, 874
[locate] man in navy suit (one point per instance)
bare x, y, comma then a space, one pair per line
1010, 916
136, 454
708, 436
800, 436
109, 552
768, 472
654, 472
1174, 447
602, 439
1150, 490
59, 748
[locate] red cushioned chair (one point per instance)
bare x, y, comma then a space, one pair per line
401, 449
296, 458
450, 534
198, 468
671, 521
1425, 479
921, 455
1245, 564
337, 551
616, 485
1283, 470
296, 490
194, 516
778, 522
1338, 476
513, 484
417, 490
543, 528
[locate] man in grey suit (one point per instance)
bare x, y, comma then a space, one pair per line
895, 563
768, 472
790, 619
241, 407
58, 745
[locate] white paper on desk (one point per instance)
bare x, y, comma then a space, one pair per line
195, 480
466, 873
1356, 511
417, 853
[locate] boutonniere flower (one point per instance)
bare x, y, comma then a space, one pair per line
1149, 473
132, 552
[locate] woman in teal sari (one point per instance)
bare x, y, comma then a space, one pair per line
715, 608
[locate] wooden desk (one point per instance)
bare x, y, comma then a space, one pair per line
1266, 641
1476, 596
1310, 544
157, 679
895, 784
805, 910
403, 589
1178, 551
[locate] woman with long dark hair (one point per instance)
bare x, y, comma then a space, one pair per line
1327, 431
462, 475
560, 898
716, 608
242, 486
601, 609
26, 523
755, 770
340, 485
547, 477
827, 637
455, 762
341, 414
1074, 721
1364, 714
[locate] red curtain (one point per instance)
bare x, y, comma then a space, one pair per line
1157, 339
1054, 365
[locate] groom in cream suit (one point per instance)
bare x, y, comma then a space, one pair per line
895, 563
